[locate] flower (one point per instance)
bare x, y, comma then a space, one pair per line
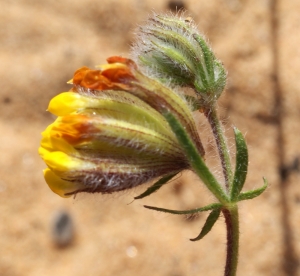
106, 144
110, 133
122, 74
172, 49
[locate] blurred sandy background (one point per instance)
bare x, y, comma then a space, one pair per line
44, 42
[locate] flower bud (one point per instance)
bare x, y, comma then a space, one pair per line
174, 51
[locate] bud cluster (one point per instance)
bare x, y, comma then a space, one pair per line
174, 51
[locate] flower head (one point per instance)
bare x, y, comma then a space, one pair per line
110, 133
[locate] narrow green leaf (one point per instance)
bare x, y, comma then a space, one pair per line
195, 158
241, 166
186, 212
209, 223
158, 184
253, 193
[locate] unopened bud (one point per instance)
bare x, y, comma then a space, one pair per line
174, 51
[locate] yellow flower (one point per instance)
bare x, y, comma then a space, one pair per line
106, 144
110, 133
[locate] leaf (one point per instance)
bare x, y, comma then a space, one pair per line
187, 212
241, 166
195, 158
209, 223
158, 184
253, 193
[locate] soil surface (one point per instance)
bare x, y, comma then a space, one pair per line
44, 42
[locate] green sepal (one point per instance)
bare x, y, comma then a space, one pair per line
221, 81
214, 71
241, 166
209, 223
186, 54
175, 56
209, 207
208, 56
167, 67
178, 78
195, 158
253, 193
157, 185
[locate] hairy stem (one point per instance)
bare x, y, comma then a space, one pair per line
212, 117
230, 212
232, 226
195, 159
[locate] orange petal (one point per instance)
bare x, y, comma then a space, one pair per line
120, 75
79, 74
110, 76
118, 59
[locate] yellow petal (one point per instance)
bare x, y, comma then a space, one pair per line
60, 186
43, 151
114, 104
51, 140
66, 103
61, 163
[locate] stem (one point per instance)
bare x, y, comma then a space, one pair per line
196, 160
232, 225
230, 212
212, 117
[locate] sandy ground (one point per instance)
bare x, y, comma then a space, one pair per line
43, 42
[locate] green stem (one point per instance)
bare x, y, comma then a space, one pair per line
212, 117
232, 224
195, 159
230, 212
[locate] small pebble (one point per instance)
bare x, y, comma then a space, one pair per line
62, 229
